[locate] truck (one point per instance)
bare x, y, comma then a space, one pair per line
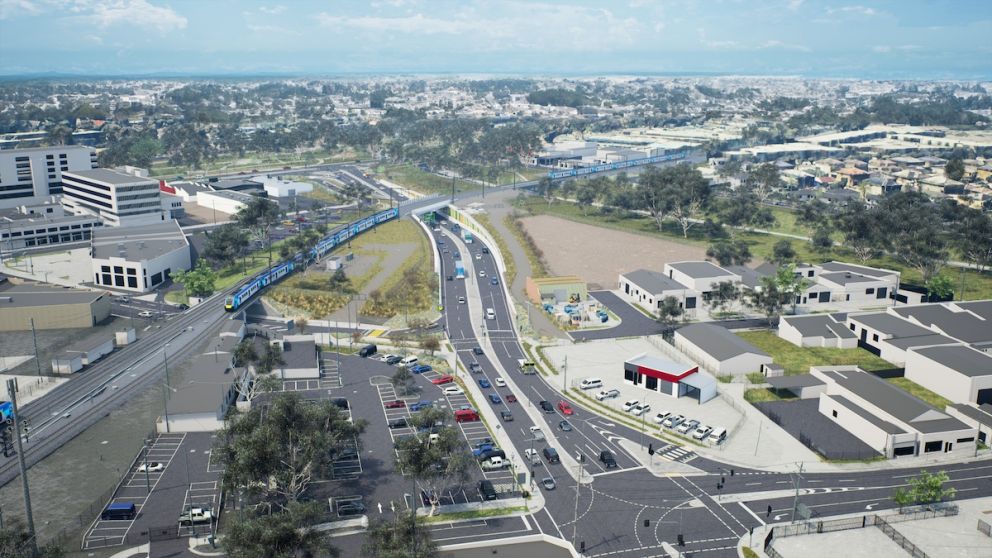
467, 236
527, 367
6, 413
459, 269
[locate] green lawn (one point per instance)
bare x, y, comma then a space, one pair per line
504, 250
415, 179
976, 286
921, 392
256, 161
797, 360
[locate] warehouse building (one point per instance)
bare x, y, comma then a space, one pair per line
50, 307
138, 259
888, 419
956, 372
817, 330
977, 416
44, 224
224, 201
720, 351
670, 378
209, 388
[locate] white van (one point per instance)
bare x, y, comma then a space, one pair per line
718, 435
490, 314
591, 383
408, 362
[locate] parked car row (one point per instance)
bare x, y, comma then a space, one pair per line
691, 427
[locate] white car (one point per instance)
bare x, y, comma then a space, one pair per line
660, 417
630, 405
639, 410
461, 300
478, 256
151, 467
687, 427
453, 390
500, 382
482, 273
146, 314
702, 432
532, 456
608, 394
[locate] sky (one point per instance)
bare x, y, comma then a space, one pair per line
899, 39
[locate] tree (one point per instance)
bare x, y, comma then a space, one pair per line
733, 252
690, 198
862, 232
973, 238
430, 343
723, 294
954, 168
290, 533
939, 286
339, 282
763, 181
744, 211
813, 215
15, 542
586, 192
654, 195
783, 253
270, 359
928, 488
406, 536
225, 244
59, 135
198, 281
301, 323
252, 387
790, 285
258, 216
669, 310
274, 456
546, 189
401, 380
767, 298
245, 354
434, 464
913, 232
821, 241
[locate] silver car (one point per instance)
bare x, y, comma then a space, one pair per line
673, 421
687, 427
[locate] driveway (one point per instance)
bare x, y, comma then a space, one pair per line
632, 322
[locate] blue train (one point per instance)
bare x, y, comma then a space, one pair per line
582, 171
282, 269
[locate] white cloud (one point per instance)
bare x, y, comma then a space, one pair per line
273, 29
10, 8
793, 5
785, 46
856, 10
882, 49
417, 23
272, 10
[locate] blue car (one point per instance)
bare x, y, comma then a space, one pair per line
421, 368
420, 405
483, 448
495, 398
494, 281
483, 383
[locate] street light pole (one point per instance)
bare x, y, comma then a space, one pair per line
166, 386
12, 393
148, 482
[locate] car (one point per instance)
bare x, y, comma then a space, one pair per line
461, 300
482, 448
182, 306
500, 382
565, 408
482, 273
510, 398
494, 281
532, 455
606, 456
494, 397
398, 423
507, 416
151, 467
441, 380
146, 314
124, 299
536, 432
548, 483
484, 383
477, 351
607, 394
485, 250
547, 406
420, 406
392, 359
475, 368
458, 255
673, 421
565, 426
478, 256
196, 515
687, 427
450, 278
453, 390
483, 442
491, 453
702, 432
395, 404
660, 417
639, 410
421, 368
630, 405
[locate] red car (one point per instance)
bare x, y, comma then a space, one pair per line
442, 380
565, 408
511, 398
397, 404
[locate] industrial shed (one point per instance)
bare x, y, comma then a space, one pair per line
719, 350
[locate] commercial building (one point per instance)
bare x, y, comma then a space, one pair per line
138, 259
565, 288
278, 187
671, 378
648, 289
116, 198
888, 419
28, 176
957, 372
977, 416
720, 351
817, 330
50, 307
223, 201
209, 388
45, 224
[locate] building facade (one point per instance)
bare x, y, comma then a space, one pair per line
45, 224
138, 259
116, 198
29, 176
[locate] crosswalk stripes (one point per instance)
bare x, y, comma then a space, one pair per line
677, 453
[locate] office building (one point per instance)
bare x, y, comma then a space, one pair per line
42, 224
116, 198
138, 259
28, 176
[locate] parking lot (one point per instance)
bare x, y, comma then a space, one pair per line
179, 475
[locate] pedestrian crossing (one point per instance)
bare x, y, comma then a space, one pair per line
676, 453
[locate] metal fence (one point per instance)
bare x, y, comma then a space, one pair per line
900, 540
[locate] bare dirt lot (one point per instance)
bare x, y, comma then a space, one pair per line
599, 255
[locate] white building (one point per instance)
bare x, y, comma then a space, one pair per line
45, 224
648, 289
701, 277
28, 176
138, 259
846, 286
224, 201
116, 198
888, 419
957, 372
720, 351
278, 187
816, 330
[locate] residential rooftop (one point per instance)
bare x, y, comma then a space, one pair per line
653, 282
700, 270
960, 358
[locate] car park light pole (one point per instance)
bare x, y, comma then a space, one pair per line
148, 482
165, 392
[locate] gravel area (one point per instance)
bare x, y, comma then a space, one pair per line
599, 254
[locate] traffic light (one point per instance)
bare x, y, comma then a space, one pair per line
647, 522
681, 540
650, 449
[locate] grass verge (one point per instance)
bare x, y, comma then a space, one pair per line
504, 250
412, 286
920, 392
797, 360
544, 359
764, 395
534, 256
475, 514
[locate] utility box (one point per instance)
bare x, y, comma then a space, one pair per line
125, 336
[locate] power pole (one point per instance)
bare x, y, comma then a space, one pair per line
575, 518
452, 188
12, 393
34, 338
564, 369
795, 481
